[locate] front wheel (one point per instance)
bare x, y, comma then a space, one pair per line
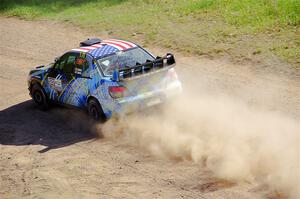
95, 111
39, 97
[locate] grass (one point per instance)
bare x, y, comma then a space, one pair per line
248, 29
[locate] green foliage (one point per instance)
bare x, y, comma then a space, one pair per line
257, 13
40, 8
262, 12
196, 26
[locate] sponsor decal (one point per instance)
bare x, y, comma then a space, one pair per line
83, 55
78, 71
55, 83
80, 61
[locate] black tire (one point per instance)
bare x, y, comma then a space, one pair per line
39, 97
95, 110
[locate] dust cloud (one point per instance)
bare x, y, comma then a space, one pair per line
235, 140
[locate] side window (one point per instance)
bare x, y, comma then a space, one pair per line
66, 63
69, 64
81, 66
61, 62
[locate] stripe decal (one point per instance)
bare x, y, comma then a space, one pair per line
62, 92
88, 48
129, 44
43, 81
122, 45
80, 50
97, 45
52, 94
116, 43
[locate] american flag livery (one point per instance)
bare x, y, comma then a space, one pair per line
88, 83
106, 47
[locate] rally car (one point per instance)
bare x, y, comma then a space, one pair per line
106, 78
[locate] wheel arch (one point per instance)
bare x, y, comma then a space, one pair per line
36, 82
36, 85
33, 82
89, 98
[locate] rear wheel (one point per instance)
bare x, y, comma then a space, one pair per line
39, 97
95, 111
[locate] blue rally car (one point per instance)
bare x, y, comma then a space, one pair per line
105, 77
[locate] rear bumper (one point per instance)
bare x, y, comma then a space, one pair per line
147, 99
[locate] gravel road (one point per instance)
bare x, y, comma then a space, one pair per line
53, 155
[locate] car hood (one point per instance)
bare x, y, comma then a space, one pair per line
40, 69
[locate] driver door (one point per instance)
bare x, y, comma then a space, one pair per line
61, 76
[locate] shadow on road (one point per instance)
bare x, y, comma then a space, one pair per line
24, 124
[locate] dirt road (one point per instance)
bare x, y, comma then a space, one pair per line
53, 155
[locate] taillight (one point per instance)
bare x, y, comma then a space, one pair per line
117, 91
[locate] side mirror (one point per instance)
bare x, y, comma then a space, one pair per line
115, 76
39, 66
170, 59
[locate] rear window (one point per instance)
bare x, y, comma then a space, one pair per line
121, 60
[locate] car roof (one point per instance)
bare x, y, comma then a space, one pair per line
106, 47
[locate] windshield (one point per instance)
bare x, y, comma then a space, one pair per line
121, 60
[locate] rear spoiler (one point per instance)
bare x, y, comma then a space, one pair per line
149, 67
